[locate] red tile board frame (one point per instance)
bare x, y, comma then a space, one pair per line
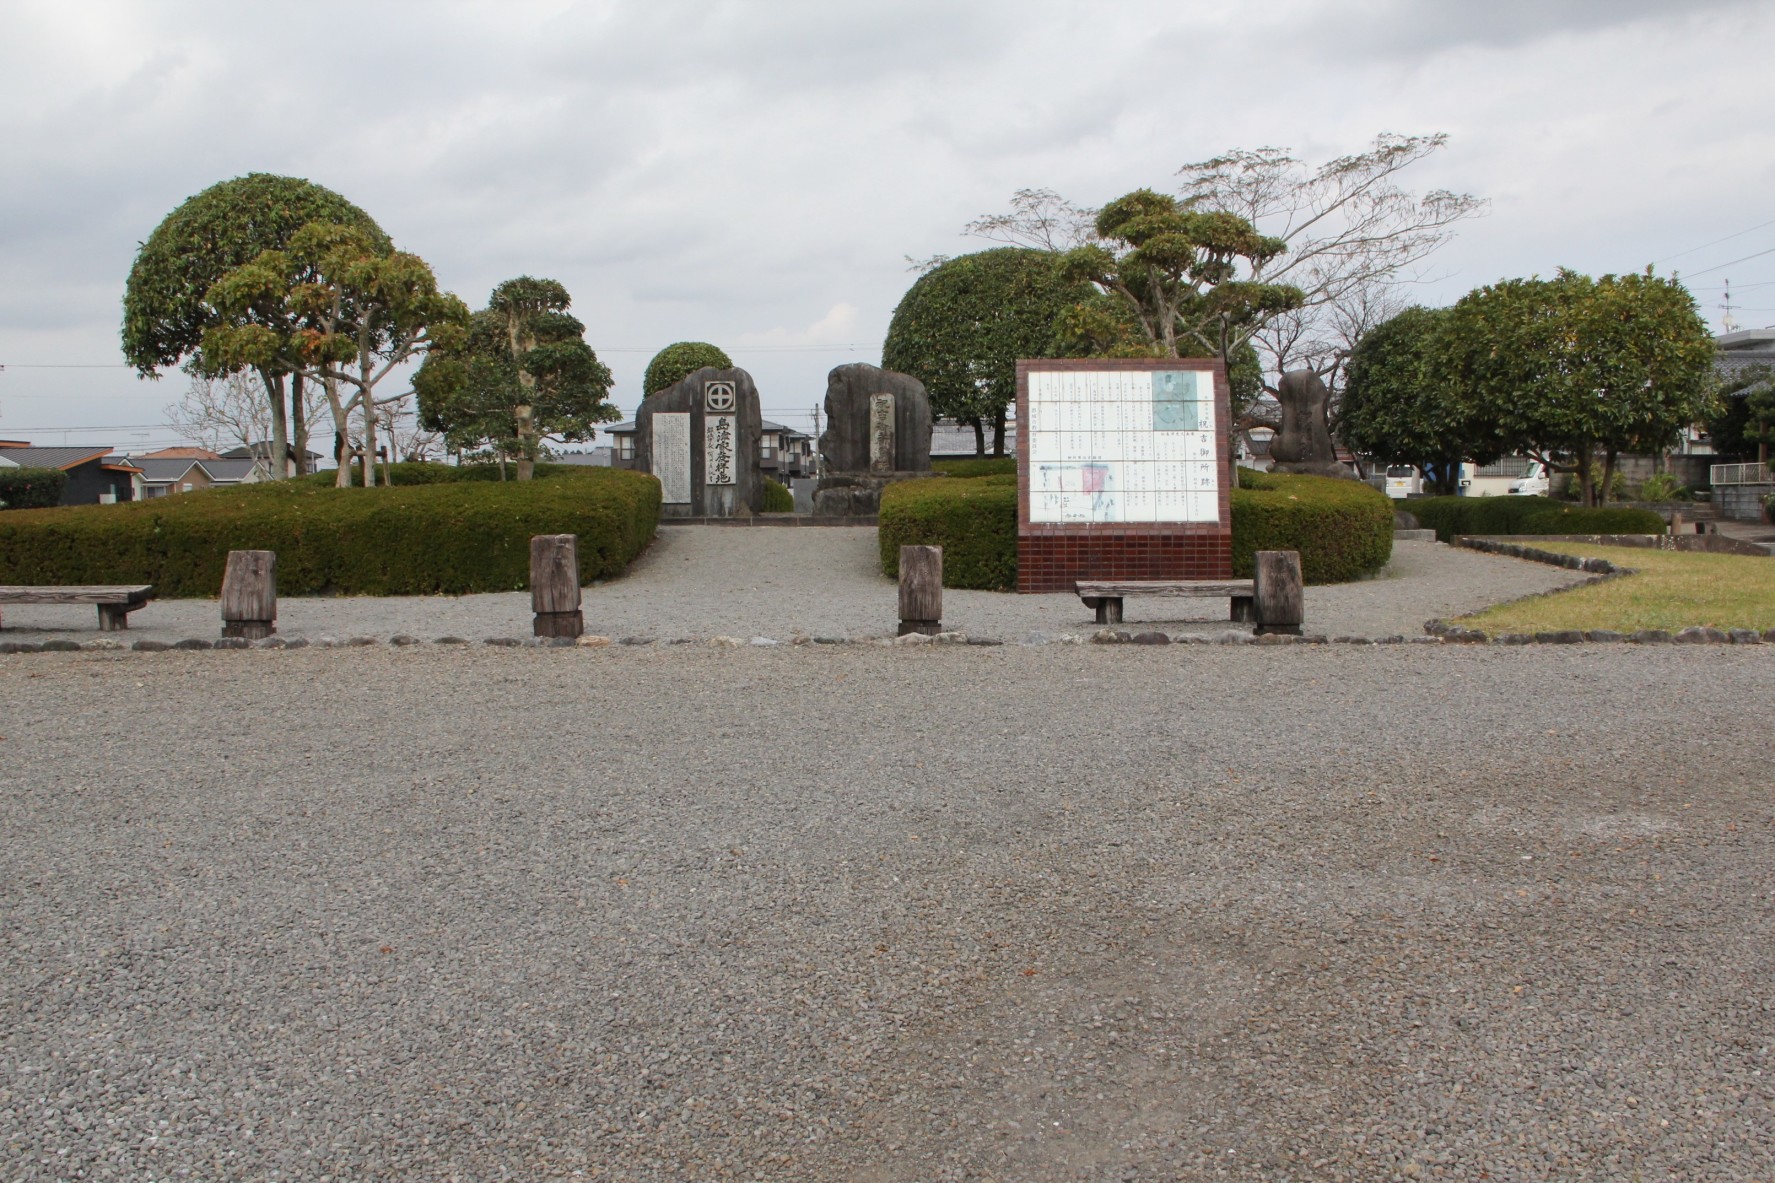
1052, 556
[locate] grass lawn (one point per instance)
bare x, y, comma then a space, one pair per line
1669, 590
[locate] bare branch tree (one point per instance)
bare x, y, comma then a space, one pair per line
1039, 218
222, 413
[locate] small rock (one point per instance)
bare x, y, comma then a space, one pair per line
141, 646
1111, 636
1746, 636
1603, 636
1395, 639
636, 641
1564, 636
301, 643
726, 642
504, 642
271, 643
763, 642
451, 641
1516, 639
1233, 639
1150, 638
1699, 635
61, 645
912, 639
591, 641
105, 643
1349, 640
984, 641
830, 640
1650, 636
403, 639
192, 643
231, 643
950, 637
361, 642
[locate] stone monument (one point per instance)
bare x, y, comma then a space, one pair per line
700, 438
1304, 443
878, 431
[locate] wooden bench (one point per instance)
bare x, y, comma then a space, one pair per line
1274, 600
1107, 598
114, 603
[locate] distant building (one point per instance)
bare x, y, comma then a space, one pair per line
161, 474
94, 475
183, 453
598, 457
783, 452
1747, 349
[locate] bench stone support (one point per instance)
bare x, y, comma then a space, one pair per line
114, 618
921, 590
249, 594
554, 585
1279, 594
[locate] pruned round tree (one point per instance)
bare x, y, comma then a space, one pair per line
166, 307
674, 363
963, 324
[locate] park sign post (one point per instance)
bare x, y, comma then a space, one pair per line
1122, 471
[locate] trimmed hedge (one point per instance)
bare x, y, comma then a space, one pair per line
1449, 516
1602, 519
974, 466
31, 488
974, 520
777, 497
451, 538
1342, 529
425, 472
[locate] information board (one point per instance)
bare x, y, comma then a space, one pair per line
1122, 446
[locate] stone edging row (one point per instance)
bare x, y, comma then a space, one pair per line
1436, 633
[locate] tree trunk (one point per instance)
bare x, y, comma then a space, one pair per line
341, 432
526, 417
369, 445
1586, 493
979, 436
1608, 473
280, 437
998, 434
298, 425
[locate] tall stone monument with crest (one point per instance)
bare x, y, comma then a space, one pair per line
878, 431
700, 438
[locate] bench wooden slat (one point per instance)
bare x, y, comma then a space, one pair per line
89, 594
1200, 588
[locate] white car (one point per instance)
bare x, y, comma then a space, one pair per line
1534, 482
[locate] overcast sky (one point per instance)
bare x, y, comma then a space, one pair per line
755, 174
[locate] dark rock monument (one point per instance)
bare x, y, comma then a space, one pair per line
878, 431
1304, 443
700, 438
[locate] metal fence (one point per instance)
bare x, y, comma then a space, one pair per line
1742, 474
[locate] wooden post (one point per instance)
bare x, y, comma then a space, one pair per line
1676, 521
1277, 588
554, 585
249, 594
921, 590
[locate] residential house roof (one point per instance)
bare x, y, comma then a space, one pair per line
229, 471
260, 449
1743, 350
181, 453
63, 458
164, 470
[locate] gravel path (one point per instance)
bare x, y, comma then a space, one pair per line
701, 581
836, 913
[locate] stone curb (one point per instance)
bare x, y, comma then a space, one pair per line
1436, 632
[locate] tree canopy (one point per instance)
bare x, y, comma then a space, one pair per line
963, 324
1399, 405
674, 363
166, 306
523, 371
1571, 366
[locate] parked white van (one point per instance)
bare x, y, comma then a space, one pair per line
1534, 482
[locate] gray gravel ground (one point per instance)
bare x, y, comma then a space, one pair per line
855, 913
701, 581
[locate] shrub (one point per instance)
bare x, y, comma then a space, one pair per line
671, 364
462, 535
31, 488
1449, 516
974, 520
975, 466
1342, 529
1661, 486
777, 497
1602, 520
426, 472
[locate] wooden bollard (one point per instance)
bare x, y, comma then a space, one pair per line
1676, 521
1278, 591
249, 594
554, 585
921, 590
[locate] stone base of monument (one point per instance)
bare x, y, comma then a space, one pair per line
855, 494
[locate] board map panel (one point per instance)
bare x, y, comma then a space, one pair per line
1122, 446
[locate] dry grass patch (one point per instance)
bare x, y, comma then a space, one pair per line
1669, 590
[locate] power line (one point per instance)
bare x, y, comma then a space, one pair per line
1732, 263
1715, 242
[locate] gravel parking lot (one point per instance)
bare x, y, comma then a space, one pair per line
703, 581
856, 913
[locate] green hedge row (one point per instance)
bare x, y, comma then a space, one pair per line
449, 537
1342, 529
424, 472
975, 466
31, 488
974, 520
1449, 516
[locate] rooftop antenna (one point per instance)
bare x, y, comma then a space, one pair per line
1726, 321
